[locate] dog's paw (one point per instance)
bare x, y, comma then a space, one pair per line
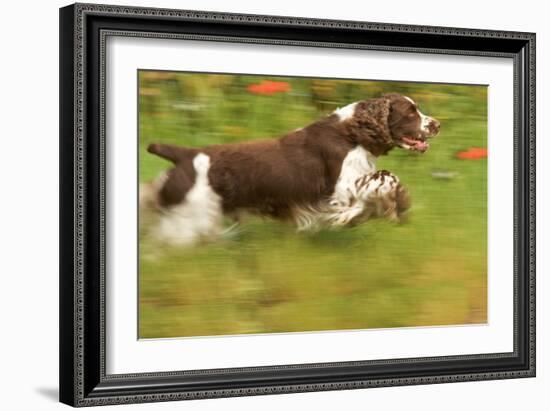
402, 199
376, 185
384, 195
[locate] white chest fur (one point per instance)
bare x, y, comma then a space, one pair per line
358, 162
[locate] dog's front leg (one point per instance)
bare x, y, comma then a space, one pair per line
377, 194
383, 195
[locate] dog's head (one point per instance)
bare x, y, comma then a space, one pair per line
390, 121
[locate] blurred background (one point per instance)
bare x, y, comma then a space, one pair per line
430, 270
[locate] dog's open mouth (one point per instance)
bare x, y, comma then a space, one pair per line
414, 143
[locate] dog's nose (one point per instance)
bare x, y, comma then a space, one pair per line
434, 126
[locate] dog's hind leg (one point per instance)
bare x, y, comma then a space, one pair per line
149, 192
199, 215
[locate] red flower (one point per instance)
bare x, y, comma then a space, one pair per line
267, 88
473, 153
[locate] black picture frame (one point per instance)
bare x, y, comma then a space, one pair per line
83, 29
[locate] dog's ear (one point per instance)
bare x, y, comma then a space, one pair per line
369, 125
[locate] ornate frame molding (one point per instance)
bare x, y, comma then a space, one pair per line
82, 336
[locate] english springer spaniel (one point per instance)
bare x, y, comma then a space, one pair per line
322, 175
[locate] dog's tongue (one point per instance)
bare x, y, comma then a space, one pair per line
416, 144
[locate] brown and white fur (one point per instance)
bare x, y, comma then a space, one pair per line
322, 175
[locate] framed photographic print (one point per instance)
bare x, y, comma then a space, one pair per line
261, 204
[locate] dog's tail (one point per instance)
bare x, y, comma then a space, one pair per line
172, 153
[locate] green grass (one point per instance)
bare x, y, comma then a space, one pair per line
430, 270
